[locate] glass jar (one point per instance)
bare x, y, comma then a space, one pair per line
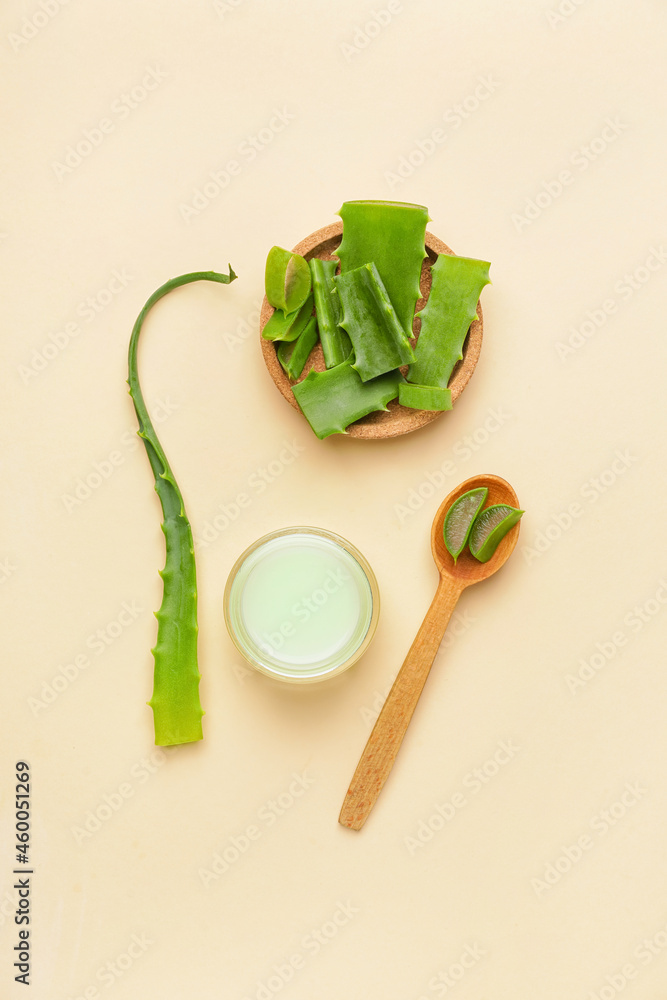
301, 604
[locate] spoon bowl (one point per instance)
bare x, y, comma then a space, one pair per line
468, 570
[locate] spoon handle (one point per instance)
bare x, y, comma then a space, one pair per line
384, 742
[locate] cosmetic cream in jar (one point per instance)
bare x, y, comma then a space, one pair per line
301, 604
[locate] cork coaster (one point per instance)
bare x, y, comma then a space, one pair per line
397, 419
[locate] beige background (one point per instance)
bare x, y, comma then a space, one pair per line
395, 913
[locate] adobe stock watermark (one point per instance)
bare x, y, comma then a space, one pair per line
305, 609
365, 34
8, 906
96, 644
111, 802
246, 152
591, 491
31, 26
446, 979
625, 288
222, 7
301, 613
245, 329
369, 713
572, 854
459, 623
643, 955
581, 159
7, 569
562, 11
116, 968
471, 785
454, 117
90, 481
257, 483
237, 845
311, 944
463, 449
243, 671
635, 621
120, 109
87, 310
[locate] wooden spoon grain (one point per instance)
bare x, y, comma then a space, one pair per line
385, 740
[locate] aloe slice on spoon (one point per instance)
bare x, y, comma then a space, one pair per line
490, 527
460, 518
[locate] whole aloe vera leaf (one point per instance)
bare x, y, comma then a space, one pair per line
446, 317
294, 354
176, 707
392, 234
379, 341
336, 345
334, 399
288, 326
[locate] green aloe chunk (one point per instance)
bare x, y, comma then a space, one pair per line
336, 345
334, 399
446, 317
460, 517
287, 279
176, 707
424, 397
378, 339
293, 355
392, 235
490, 527
288, 327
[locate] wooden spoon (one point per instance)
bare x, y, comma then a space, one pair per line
384, 742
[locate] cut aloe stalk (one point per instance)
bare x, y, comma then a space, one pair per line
460, 518
294, 354
336, 345
425, 397
379, 341
490, 527
446, 317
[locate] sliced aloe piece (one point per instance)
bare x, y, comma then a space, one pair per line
287, 279
392, 235
379, 341
490, 527
446, 317
335, 398
288, 327
294, 354
425, 397
460, 517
